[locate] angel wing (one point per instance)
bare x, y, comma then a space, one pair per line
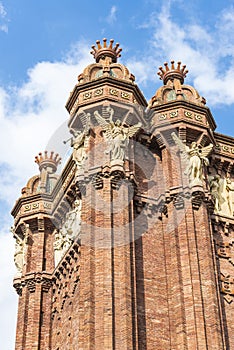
205, 151
133, 129
83, 118
111, 112
87, 124
106, 126
183, 148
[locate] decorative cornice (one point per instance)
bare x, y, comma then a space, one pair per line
31, 280
109, 85
190, 107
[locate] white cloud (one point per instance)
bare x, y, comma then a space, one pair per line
30, 114
111, 18
139, 70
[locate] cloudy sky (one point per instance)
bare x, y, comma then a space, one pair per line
44, 45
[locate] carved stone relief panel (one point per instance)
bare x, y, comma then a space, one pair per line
224, 249
222, 190
70, 230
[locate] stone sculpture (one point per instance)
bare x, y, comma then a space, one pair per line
69, 231
116, 134
20, 248
222, 190
78, 142
195, 157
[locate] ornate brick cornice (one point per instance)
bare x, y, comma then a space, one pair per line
31, 280
175, 112
116, 173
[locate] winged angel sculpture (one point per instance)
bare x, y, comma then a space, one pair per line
195, 156
78, 142
116, 134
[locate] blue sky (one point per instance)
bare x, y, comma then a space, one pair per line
44, 45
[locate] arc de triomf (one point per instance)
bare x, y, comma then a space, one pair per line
131, 245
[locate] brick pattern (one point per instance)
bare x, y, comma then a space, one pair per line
65, 319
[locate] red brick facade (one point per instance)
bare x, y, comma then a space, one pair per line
151, 264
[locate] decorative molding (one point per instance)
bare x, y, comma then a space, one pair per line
97, 181
225, 148
114, 92
46, 284
27, 207
197, 199
116, 179
31, 284
36, 206
31, 280
125, 95
98, 92
69, 177
194, 116
74, 108
162, 117
150, 208
178, 201
173, 114
18, 287
87, 95
227, 287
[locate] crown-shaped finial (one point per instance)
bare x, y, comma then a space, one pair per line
172, 73
104, 50
44, 161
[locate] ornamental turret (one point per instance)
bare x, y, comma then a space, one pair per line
105, 82
174, 89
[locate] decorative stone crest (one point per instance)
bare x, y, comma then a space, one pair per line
173, 73
104, 50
